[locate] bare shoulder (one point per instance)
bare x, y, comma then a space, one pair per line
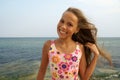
46, 45
81, 47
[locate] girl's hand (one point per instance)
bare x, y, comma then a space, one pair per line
93, 48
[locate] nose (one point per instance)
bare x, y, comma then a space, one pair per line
63, 26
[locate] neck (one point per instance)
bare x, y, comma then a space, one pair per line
65, 41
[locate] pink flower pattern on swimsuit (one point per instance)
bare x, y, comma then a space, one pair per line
68, 56
64, 66
74, 58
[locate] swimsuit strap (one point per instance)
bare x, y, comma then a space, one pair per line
77, 46
52, 42
53, 45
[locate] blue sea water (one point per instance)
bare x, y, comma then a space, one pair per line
20, 48
20, 54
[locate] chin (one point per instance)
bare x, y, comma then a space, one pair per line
62, 37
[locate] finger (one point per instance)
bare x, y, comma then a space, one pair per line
89, 45
92, 47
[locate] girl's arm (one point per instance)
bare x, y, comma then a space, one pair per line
86, 72
44, 61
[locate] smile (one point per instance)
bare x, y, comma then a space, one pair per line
62, 32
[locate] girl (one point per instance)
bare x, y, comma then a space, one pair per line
75, 52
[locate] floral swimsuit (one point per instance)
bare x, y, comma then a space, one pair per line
64, 66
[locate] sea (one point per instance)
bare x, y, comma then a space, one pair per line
20, 56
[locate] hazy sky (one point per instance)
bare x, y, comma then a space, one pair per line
39, 18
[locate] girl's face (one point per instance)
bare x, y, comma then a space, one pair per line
67, 25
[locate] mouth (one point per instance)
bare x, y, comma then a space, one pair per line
62, 31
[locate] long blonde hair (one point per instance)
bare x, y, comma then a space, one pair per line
87, 33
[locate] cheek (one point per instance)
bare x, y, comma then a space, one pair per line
58, 24
76, 29
58, 27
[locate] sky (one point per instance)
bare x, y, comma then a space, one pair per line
39, 18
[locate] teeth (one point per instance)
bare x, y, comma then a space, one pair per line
62, 32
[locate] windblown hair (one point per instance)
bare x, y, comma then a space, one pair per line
87, 33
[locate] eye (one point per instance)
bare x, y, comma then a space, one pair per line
70, 24
62, 21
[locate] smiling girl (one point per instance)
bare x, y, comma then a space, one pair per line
75, 52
